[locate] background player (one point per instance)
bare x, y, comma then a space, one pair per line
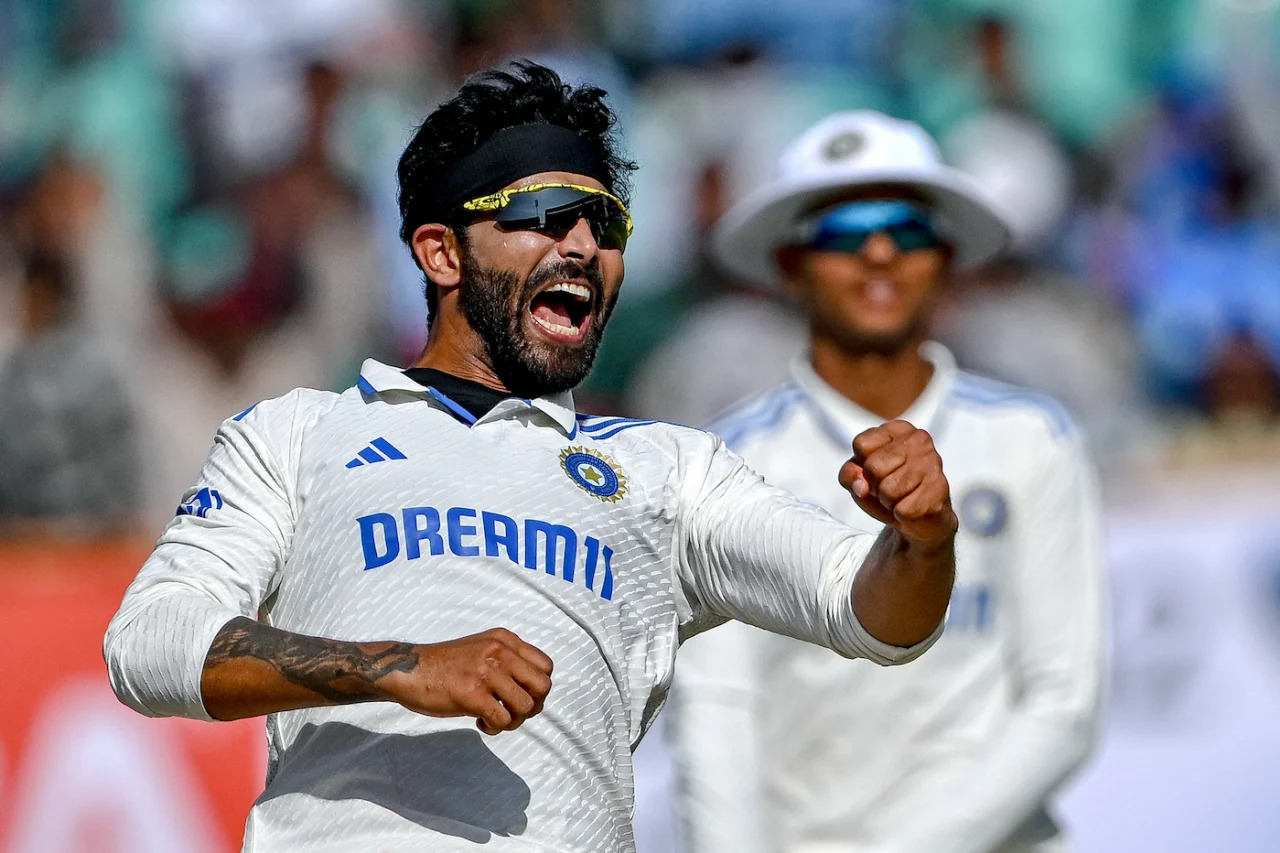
784, 746
350, 563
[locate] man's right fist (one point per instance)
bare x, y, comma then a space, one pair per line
896, 477
493, 676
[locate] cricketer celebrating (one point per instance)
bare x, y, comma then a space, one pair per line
379, 568
784, 746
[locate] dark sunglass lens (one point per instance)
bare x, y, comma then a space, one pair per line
911, 236
558, 223
612, 234
846, 241
556, 211
536, 205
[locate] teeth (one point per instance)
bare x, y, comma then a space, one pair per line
881, 291
554, 327
580, 292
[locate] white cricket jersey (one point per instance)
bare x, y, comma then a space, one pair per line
384, 513
783, 746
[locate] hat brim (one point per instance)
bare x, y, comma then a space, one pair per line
745, 240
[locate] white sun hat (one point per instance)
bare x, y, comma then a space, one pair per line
843, 152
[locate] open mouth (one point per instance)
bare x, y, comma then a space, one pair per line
881, 293
563, 310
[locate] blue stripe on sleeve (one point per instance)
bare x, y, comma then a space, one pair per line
601, 436
605, 423
998, 395
762, 415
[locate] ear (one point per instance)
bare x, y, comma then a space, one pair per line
436, 248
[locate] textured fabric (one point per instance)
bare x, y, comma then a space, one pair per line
377, 515
784, 746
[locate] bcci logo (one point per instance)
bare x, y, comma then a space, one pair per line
594, 473
844, 146
984, 511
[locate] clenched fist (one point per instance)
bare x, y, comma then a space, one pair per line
896, 477
493, 676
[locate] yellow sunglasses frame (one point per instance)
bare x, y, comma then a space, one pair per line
500, 199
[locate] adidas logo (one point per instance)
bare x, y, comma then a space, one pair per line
378, 450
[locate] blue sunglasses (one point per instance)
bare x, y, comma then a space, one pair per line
848, 227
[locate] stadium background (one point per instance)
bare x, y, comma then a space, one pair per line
197, 212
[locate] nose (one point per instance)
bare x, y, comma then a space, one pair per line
879, 248
579, 244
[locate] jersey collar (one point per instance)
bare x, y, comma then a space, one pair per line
844, 419
377, 379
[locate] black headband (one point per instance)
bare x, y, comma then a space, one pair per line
507, 156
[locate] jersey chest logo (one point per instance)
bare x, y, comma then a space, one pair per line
984, 511
595, 473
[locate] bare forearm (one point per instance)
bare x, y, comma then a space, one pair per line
254, 669
494, 676
902, 591
903, 588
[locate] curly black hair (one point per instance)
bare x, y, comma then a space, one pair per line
490, 101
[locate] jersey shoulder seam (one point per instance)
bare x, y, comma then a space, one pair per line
280, 424
976, 391
305, 401
761, 414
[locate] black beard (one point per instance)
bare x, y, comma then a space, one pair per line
860, 343
494, 303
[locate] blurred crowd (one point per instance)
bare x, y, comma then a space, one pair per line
197, 209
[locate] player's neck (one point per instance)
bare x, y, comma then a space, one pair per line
458, 352
883, 384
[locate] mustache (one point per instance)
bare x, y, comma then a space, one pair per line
565, 269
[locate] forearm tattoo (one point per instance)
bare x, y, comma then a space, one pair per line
341, 672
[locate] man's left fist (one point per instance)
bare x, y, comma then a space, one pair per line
896, 477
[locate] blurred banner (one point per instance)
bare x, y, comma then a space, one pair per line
1189, 754
79, 772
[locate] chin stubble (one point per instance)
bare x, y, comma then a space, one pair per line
494, 303
857, 342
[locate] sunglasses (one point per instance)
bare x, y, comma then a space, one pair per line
848, 227
554, 210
